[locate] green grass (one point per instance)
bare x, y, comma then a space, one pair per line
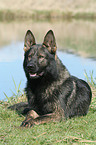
82, 46
90, 80
80, 130
15, 95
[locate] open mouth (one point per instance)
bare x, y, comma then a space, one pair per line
36, 75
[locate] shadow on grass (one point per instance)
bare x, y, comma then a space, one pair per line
20, 108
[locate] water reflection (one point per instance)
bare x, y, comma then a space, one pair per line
78, 65
11, 65
11, 52
11, 60
79, 36
74, 36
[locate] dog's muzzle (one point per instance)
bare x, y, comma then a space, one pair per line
33, 72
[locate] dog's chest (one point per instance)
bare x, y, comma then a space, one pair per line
47, 91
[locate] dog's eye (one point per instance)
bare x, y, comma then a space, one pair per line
41, 58
29, 57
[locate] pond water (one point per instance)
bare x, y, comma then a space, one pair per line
11, 66
77, 37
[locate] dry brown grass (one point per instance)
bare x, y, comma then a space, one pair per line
61, 5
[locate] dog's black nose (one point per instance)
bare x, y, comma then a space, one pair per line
31, 67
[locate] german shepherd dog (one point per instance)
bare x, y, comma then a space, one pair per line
52, 93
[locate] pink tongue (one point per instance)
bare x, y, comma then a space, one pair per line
33, 75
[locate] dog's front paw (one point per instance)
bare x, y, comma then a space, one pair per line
27, 123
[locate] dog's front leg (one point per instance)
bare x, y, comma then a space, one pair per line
29, 120
35, 119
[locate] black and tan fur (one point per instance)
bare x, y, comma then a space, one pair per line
52, 93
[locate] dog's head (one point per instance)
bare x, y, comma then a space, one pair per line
39, 58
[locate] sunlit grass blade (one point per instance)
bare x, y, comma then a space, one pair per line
15, 94
86, 76
15, 85
19, 86
8, 98
91, 80
16, 88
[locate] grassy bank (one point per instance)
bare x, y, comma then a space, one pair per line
50, 9
45, 14
81, 130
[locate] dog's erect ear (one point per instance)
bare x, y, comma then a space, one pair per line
50, 42
29, 40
